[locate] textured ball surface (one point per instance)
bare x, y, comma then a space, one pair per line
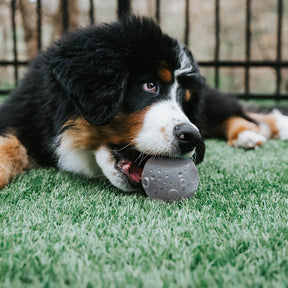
170, 179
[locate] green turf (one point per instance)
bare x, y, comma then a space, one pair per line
2, 99
61, 230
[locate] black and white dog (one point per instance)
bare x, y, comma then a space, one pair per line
104, 99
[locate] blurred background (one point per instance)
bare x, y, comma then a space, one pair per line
241, 45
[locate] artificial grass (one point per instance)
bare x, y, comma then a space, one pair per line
62, 230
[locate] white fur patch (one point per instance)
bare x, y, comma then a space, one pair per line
265, 130
77, 160
250, 140
106, 161
281, 124
185, 62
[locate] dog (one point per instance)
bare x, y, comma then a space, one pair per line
104, 99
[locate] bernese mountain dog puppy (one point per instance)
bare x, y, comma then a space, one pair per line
104, 99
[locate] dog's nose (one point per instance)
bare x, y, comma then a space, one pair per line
188, 136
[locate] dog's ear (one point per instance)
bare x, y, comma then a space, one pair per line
93, 78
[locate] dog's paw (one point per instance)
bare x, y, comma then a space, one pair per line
281, 122
249, 140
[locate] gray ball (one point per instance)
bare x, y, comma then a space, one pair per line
170, 179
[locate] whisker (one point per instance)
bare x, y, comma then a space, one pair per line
143, 158
126, 146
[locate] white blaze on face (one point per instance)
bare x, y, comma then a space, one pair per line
185, 62
157, 133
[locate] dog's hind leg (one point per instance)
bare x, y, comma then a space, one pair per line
13, 158
240, 132
276, 122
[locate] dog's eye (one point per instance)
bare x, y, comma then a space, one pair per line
150, 87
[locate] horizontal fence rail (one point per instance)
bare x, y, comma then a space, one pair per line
124, 8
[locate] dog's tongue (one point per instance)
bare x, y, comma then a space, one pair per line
135, 172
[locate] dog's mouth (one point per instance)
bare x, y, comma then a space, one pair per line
130, 162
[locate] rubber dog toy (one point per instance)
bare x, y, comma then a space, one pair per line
170, 179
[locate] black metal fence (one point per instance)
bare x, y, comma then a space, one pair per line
124, 8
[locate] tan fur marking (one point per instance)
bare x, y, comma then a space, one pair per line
233, 126
13, 159
166, 138
187, 96
269, 120
122, 130
163, 72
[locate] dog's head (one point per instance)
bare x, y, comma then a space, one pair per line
130, 85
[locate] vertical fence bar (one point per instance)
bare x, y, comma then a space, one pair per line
217, 41
91, 12
247, 46
15, 54
39, 24
279, 47
157, 12
124, 8
187, 22
65, 15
